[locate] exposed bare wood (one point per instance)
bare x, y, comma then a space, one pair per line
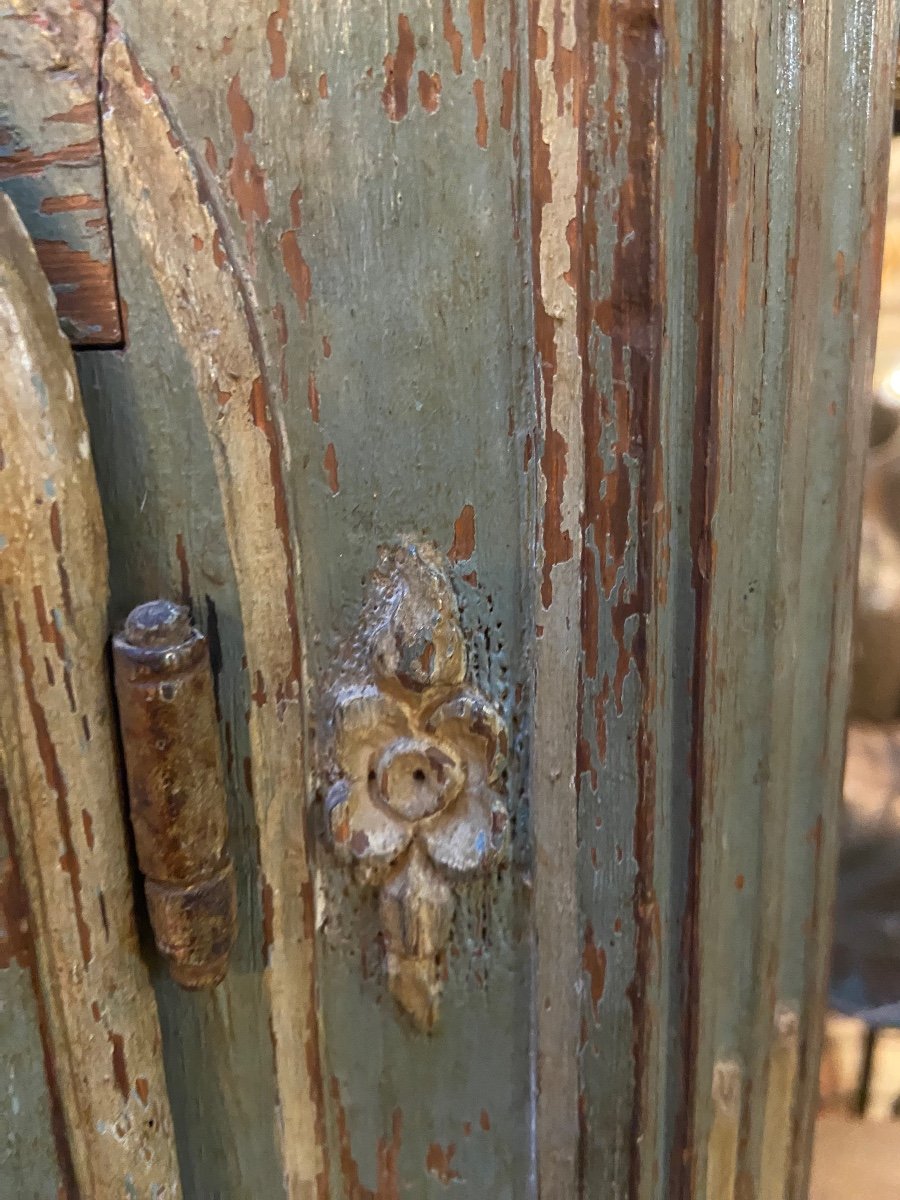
616, 467
157, 192
58, 754
724, 1132
50, 155
778, 1106
555, 214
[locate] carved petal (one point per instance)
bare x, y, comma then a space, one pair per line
365, 719
360, 830
470, 713
466, 837
416, 779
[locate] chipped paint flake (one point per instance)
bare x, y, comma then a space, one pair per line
246, 179
398, 67
275, 36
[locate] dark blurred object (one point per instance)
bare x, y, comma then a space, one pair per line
885, 411
875, 690
866, 960
875, 687
865, 975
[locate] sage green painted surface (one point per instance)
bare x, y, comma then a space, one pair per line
415, 331
164, 524
166, 538
28, 1164
805, 118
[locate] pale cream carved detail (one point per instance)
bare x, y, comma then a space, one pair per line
413, 767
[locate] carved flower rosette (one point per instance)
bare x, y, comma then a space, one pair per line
415, 757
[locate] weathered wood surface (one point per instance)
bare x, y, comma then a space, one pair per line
157, 195
58, 758
621, 196
345, 231
51, 162
277, 113
556, 203
34, 1155
803, 132
703, 458
167, 538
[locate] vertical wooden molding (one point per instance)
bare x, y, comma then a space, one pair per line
555, 213
861, 42
59, 758
803, 124
613, 499
157, 190
636, 618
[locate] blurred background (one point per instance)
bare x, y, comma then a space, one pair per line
857, 1153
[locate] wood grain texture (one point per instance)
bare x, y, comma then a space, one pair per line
264, 103
59, 759
630, 497
34, 1159
803, 134
619, 469
556, 244
711, 266
354, 226
156, 192
51, 162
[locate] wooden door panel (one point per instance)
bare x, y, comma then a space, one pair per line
443, 456
582, 294
793, 347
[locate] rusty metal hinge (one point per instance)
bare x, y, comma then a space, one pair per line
167, 715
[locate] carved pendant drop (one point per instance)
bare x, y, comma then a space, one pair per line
414, 760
